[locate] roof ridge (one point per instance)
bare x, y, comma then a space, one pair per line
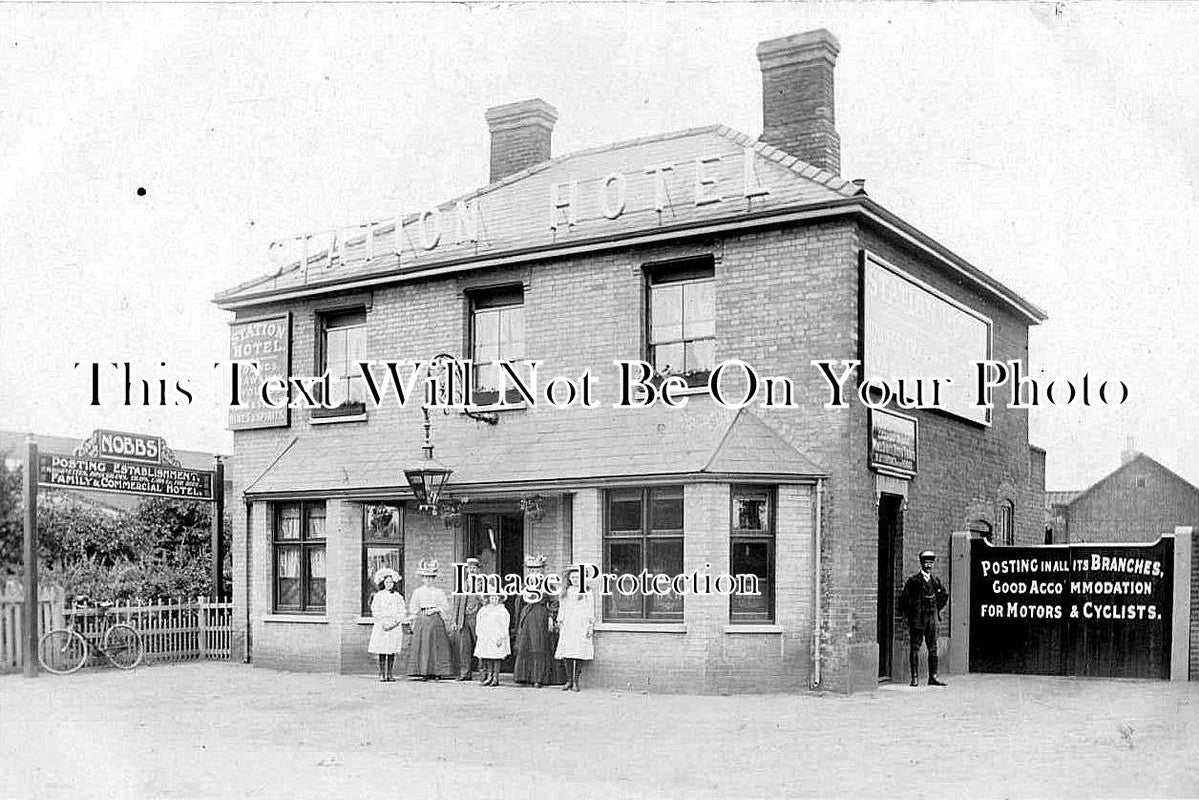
271, 465
587, 151
800, 167
724, 437
1127, 464
405, 219
252, 282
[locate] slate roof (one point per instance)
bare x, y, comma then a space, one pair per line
560, 448
515, 217
1138, 460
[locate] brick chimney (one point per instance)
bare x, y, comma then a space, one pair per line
797, 97
1130, 450
520, 135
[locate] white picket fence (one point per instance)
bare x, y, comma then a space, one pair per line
171, 630
12, 624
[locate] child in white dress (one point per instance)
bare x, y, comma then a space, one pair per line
492, 644
576, 625
389, 610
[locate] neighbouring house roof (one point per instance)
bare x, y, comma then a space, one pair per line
1061, 498
546, 448
515, 216
1140, 459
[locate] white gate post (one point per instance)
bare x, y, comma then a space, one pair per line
1180, 622
959, 603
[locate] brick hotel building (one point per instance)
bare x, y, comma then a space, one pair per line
684, 249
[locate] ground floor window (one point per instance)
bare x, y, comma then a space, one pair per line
298, 557
751, 551
382, 546
643, 530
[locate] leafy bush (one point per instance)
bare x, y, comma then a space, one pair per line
163, 549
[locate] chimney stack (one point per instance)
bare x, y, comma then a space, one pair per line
797, 97
520, 135
1129, 452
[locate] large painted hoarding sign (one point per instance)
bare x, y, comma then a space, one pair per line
1081, 609
267, 341
911, 330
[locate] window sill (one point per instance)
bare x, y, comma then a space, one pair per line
338, 418
751, 627
311, 619
642, 627
497, 409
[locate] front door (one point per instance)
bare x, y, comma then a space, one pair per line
497, 539
890, 545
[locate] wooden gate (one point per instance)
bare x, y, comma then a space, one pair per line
1080, 609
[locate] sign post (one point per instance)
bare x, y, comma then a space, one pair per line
125, 463
218, 517
29, 612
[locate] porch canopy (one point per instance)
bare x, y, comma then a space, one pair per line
544, 448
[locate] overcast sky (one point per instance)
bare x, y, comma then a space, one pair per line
1054, 146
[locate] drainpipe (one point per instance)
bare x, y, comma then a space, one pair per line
817, 619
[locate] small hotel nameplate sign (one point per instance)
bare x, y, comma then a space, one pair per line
267, 341
893, 443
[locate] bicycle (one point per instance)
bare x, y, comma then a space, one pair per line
65, 650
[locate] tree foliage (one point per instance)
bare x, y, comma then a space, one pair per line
161, 549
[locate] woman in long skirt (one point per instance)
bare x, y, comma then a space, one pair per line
389, 610
429, 653
576, 624
534, 643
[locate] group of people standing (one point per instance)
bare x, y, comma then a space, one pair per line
552, 636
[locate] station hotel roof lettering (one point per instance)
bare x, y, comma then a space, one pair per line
698, 245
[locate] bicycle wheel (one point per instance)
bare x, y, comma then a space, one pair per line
123, 646
62, 651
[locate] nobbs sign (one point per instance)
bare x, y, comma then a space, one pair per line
126, 463
129, 446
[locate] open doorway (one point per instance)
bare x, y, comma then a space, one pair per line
890, 552
497, 539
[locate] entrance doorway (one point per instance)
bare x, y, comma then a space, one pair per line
890, 548
497, 539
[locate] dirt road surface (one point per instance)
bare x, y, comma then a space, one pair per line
224, 730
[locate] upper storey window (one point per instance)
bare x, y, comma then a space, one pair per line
682, 319
497, 334
343, 345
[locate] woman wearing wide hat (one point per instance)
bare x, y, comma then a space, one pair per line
389, 611
429, 652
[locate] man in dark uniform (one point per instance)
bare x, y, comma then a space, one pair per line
921, 602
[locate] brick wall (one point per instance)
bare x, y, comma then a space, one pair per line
701, 654
1194, 608
785, 296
